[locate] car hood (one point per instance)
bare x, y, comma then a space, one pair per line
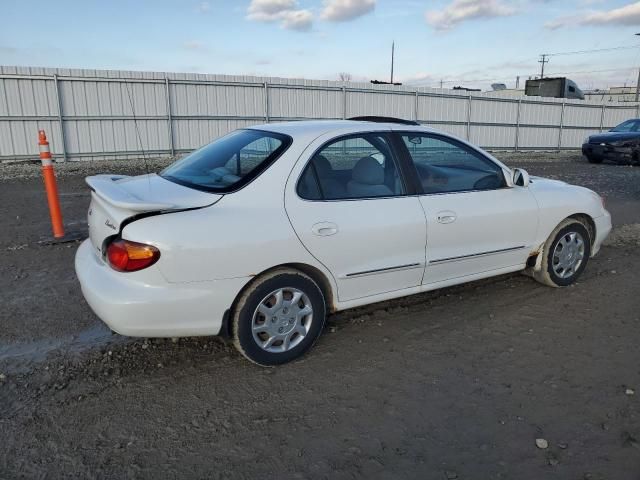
542, 182
117, 198
609, 137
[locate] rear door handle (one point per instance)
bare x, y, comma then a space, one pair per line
446, 216
324, 229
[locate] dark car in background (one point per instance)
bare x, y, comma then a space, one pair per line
621, 144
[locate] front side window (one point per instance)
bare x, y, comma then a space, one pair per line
229, 162
628, 126
444, 165
359, 166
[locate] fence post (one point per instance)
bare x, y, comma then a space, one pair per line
169, 117
469, 117
602, 117
561, 125
344, 102
266, 102
638, 110
518, 124
60, 119
417, 106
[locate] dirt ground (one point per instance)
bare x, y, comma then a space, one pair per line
453, 384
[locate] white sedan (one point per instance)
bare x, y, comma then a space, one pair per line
261, 233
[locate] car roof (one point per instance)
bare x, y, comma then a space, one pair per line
307, 131
315, 128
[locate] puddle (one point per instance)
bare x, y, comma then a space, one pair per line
19, 357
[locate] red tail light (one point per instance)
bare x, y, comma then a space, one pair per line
128, 256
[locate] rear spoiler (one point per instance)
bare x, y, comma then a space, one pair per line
105, 187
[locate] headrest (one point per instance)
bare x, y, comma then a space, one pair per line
323, 167
368, 171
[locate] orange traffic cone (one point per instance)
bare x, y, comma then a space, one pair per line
50, 185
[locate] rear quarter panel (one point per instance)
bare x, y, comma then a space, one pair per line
242, 235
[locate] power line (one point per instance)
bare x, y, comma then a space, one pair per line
579, 52
472, 80
621, 69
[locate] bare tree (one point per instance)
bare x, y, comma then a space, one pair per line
344, 77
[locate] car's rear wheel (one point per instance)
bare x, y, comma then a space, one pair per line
565, 254
278, 317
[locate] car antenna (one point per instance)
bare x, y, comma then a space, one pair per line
135, 123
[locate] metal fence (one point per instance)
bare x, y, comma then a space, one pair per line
117, 114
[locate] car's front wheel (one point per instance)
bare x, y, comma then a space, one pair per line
565, 254
278, 317
592, 159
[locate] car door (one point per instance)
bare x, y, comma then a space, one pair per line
476, 223
350, 208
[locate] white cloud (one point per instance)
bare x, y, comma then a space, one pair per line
204, 7
461, 10
283, 11
300, 20
345, 10
627, 15
268, 10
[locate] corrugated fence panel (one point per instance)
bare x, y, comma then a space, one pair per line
448, 109
574, 138
492, 136
385, 104
298, 103
109, 114
217, 100
582, 116
540, 113
112, 136
20, 138
615, 116
486, 111
541, 138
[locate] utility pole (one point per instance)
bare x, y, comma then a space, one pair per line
382, 82
638, 84
393, 46
542, 61
440, 84
517, 82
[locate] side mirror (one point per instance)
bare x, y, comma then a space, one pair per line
520, 177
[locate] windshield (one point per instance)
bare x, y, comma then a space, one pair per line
229, 162
628, 126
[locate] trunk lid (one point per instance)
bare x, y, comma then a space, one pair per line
116, 198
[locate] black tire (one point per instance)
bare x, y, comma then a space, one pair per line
547, 275
592, 159
286, 280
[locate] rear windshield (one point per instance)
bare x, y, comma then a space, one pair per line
229, 162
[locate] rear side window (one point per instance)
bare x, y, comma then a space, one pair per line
445, 166
360, 166
229, 162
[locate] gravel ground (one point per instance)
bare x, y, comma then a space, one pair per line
502, 378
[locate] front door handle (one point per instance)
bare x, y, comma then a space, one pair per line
324, 229
446, 216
